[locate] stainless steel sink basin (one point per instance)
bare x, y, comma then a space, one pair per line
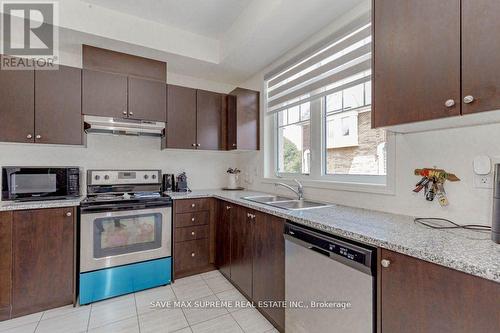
285, 202
298, 204
265, 199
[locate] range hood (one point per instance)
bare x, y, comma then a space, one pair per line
116, 126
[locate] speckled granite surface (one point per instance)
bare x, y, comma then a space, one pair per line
10, 205
467, 251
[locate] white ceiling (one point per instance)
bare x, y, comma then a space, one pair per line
220, 40
210, 18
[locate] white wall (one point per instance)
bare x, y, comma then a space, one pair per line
205, 170
451, 149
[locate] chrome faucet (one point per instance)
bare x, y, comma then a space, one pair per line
299, 191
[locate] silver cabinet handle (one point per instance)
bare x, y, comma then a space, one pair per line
29, 136
234, 144
38, 136
198, 145
468, 99
192, 233
192, 219
131, 113
449, 103
124, 113
192, 254
385, 263
194, 145
68, 214
193, 205
228, 207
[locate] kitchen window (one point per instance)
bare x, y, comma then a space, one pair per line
320, 103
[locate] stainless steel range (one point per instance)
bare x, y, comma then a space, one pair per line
125, 234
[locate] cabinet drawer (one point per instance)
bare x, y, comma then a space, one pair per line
191, 233
190, 255
191, 219
192, 205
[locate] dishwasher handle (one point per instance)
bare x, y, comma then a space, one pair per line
353, 255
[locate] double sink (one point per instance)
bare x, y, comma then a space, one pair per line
285, 202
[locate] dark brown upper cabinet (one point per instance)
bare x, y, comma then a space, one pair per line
181, 118
17, 106
417, 296
416, 60
58, 107
434, 59
243, 107
480, 56
104, 94
147, 99
208, 120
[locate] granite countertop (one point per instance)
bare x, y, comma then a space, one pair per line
14, 205
468, 251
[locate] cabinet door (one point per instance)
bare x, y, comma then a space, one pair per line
58, 106
416, 60
242, 251
43, 259
147, 99
17, 112
208, 120
104, 94
247, 118
232, 125
181, 117
5, 264
480, 55
269, 264
227, 215
417, 296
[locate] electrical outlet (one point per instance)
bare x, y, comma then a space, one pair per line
483, 181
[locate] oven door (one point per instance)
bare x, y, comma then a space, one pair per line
118, 238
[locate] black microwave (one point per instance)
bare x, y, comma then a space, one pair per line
37, 183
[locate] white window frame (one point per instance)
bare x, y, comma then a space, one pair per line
318, 178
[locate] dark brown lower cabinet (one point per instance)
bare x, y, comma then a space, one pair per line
5, 264
242, 251
417, 297
43, 257
227, 213
269, 264
251, 253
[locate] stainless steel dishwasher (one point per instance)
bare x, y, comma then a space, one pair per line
329, 284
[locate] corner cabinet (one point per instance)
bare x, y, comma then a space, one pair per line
243, 119
417, 296
434, 59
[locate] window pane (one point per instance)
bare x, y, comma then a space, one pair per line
352, 146
282, 118
293, 115
354, 97
368, 93
334, 102
305, 111
294, 148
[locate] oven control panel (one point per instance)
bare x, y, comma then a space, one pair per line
118, 177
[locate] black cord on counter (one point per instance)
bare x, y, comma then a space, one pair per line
427, 221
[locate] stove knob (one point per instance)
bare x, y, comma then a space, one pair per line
153, 176
97, 177
146, 176
106, 177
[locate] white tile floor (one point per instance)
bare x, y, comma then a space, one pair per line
134, 314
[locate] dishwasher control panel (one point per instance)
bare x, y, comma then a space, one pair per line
329, 245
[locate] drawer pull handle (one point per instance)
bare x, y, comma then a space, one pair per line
192, 233
68, 214
193, 205
192, 219
192, 254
